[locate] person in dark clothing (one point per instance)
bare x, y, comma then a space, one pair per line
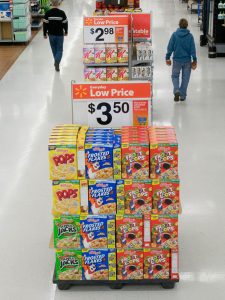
182, 46
55, 25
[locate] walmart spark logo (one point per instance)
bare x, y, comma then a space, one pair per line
80, 91
88, 21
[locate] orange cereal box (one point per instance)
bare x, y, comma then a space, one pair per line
129, 264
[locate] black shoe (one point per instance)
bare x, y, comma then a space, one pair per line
56, 66
177, 97
182, 99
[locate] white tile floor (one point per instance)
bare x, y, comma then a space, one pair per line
33, 98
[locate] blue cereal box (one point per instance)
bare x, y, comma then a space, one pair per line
99, 160
102, 197
99, 264
97, 232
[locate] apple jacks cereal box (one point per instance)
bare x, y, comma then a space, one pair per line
99, 264
102, 197
138, 196
97, 232
156, 264
164, 231
166, 196
88, 54
99, 53
68, 265
67, 232
129, 264
129, 232
66, 197
111, 53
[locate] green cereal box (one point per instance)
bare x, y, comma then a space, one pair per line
68, 265
120, 197
67, 232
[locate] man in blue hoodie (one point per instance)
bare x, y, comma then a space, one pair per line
182, 46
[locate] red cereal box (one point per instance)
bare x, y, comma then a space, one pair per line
122, 53
111, 53
100, 74
129, 264
111, 74
123, 73
129, 232
164, 231
138, 196
156, 264
99, 53
89, 74
165, 196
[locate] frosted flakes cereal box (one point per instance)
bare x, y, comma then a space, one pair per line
166, 199
97, 232
129, 264
102, 197
117, 156
129, 232
89, 74
120, 197
99, 53
111, 74
68, 265
123, 73
100, 74
67, 232
62, 161
122, 53
156, 264
164, 231
111, 53
99, 264
66, 197
88, 54
138, 196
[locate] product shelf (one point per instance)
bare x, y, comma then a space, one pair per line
107, 65
138, 62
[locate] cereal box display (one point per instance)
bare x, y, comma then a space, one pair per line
165, 196
99, 53
100, 74
111, 53
123, 73
135, 152
111, 74
97, 232
129, 264
88, 54
99, 264
67, 232
122, 53
129, 232
164, 231
156, 264
163, 153
66, 197
68, 265
102, 197
89, 74
138, 196
120, 197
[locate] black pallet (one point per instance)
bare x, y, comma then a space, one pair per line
113, 284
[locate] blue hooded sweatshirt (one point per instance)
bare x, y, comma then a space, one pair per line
182, 46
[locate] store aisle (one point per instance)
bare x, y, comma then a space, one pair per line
33, 98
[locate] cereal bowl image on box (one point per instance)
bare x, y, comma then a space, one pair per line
68, 264
156, 264
129, 264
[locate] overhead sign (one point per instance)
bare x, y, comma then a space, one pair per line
142, 26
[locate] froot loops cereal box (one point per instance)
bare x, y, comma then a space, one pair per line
156, 264
129, 264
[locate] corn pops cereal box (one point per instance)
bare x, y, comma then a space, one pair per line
156, 264
100, 74
123, 73
89, 74
111, 53
88, 54
122, 53
129, 231
166, 196
99, 264
129, 264
67, 232
99, 53
97, 232
138, 196
111, 74
102, 197
164, 231
66, 197
62, 161
68, 265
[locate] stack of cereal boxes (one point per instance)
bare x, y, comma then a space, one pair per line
115, 216
97, 56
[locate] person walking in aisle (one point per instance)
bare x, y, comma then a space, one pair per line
182, 46
55, 25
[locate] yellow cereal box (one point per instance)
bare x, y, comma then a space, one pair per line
66, 197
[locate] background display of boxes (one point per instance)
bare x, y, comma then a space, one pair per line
106, 73
142, 72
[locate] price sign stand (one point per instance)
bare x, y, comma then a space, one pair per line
113, 104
